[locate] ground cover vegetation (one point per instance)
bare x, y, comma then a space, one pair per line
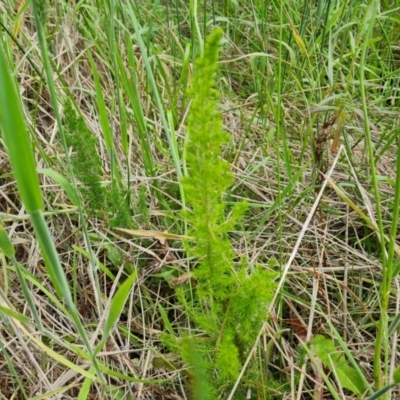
199, 199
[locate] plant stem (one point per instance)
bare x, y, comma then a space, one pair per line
382, 335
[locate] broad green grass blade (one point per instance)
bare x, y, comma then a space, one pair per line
22, 161
116, 307
336, 362
15, 134
165, 319
16, 138
6, 246
85, 388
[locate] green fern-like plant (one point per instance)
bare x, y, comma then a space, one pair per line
230, 298
100, 201
85, 159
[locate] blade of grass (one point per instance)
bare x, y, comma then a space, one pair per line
40, 21
116, 306
154, 87
23, 165
382, 343
131, 88
102, 110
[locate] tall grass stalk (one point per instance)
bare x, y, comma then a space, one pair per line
155, 92
195, 27
382, 339
130, 83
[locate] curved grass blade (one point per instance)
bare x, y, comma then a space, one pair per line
63, 182
12, 123
15, 134
116, 307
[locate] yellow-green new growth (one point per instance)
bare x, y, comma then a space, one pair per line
209, 175
230, 302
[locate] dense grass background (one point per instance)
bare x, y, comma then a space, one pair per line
97, 92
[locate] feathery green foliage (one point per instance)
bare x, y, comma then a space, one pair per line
117, 206
88, 169
85, 160
230, 298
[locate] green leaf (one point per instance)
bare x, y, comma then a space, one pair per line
13, 314
116, 307
16, 138
118, 302
396, 375
85, 388
5, 243
336, 362
378, 395
165, 319
63, 182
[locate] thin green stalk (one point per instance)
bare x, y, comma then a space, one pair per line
195, 27
103, 117
175, 151
395, 218
382, 335
392, 243
131, 87
156, 94
121, 108
280, 136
